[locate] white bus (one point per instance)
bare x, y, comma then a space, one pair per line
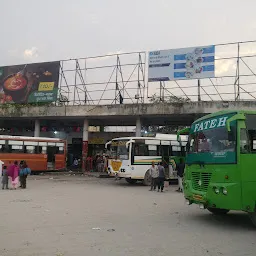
131, 157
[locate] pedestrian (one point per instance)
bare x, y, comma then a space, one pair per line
5, 178
24, 172
154, 176
75, 163
180, 172
161, 177
102, 164
105, 162
13, 173
98, 163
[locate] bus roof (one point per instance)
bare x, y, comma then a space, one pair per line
29, 138
172, 137
226, 112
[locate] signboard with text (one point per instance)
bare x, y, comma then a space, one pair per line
29, 83
184, 63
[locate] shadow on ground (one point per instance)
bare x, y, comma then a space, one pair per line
231, 221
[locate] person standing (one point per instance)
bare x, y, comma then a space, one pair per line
180, 173
13, 172
24, 172
75, 163
154, 176
161, 177
5, 178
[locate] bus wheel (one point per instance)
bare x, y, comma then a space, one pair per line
147, 179
217, 211
253, 217
130, 181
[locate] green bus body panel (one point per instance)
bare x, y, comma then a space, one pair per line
238, 178
248, 177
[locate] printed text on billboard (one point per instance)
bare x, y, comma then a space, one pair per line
185, 63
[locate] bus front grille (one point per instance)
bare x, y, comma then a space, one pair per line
201, 180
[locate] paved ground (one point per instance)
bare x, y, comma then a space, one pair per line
90, 216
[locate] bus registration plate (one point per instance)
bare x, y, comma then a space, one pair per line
198, 197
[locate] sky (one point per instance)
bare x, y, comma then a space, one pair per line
35, 31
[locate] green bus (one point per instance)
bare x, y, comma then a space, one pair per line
220, 170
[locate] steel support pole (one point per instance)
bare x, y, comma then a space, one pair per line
37, 128
138, 127
85, 143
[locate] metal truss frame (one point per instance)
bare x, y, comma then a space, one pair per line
120, 80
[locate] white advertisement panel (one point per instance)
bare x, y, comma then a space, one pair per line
184, 63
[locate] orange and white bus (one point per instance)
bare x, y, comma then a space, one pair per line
41, 154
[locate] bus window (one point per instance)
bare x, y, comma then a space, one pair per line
2, 146
244, 145
176, 151
30, 147
153, 150
141, 150
252, 141
41, 148
118, 150
15, 146
59, 148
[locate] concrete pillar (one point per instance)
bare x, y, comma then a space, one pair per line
37, 128
85, 143
86, 130
138, 127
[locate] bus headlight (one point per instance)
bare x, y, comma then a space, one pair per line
216, 190
224, 191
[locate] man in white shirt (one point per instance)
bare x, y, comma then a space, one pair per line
154, 176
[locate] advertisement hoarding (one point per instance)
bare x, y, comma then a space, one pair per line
185, 63
29, 83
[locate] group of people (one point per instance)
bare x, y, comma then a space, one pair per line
157, 174
98, 163
15, 172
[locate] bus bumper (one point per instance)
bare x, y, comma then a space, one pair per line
217, 195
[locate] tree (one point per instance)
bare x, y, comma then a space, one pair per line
168, 99
168, 129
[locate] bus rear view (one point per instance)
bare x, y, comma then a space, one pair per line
220, 173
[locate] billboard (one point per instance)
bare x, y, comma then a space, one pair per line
184, 63
29, 83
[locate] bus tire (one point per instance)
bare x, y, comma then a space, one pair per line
130, 181
147, 179
253, 218
217, 211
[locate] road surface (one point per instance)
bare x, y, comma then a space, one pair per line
71, 215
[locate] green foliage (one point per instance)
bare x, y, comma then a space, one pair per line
168, 99
167, 129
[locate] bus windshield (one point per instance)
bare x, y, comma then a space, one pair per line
212, 143
118, 150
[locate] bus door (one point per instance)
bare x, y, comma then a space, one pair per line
165, 149
51, 152
60, 156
